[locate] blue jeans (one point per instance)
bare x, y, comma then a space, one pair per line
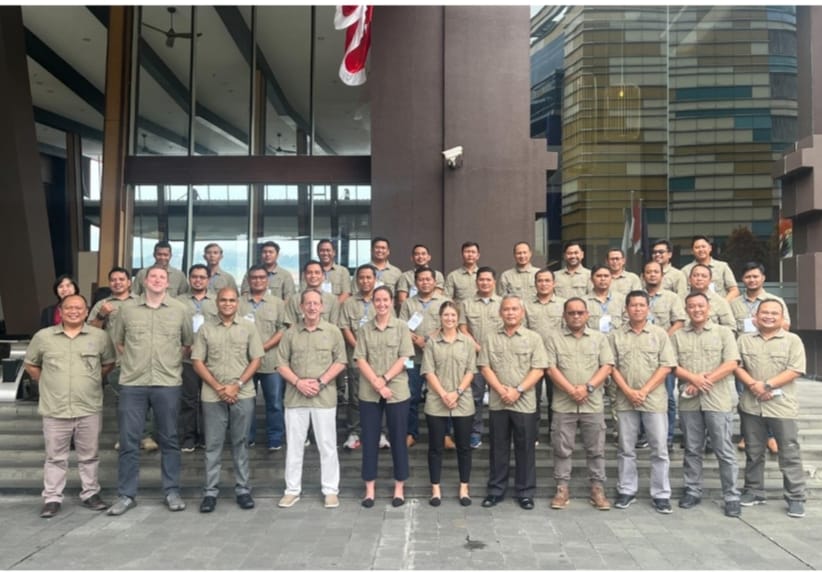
131, 413
273, 392
670, 387
415, 383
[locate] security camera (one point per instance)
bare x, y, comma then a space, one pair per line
453, 157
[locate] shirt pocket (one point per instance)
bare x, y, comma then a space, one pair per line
91, 363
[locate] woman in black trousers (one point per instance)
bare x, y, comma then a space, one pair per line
449, 364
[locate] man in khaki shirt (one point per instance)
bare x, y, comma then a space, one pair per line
699, 280
68, 362
406, 287
772, 359
267, 313
723, 282
673, 279
622, 281
387, 273
311, 355
707, 356
280, 282
460, 284
574, 279
153, 334
177, 283
200, 302
217, 277
519, 280
579, 362
479, 316
744, 307
313, 279
512, 360
336, 279
643, 357
226, 353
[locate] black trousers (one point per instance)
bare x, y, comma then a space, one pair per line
190, 426
437, 427
549, 392
396, 417
522, 427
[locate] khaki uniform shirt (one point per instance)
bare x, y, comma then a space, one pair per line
544, 318
519, 282
719, 311
481, 316
115, 303
407, 284
569, 284
637, 357
744, 310
722, 277
605, 316
388, 276
331, 309
449, 361
578, 359
704, 351
665, 308
764, 359
337, 281
153, 340
71, 383
199, 311
512, 358
177, 282
381, 348
624, 283
220, 279
674, 279
226, 351
280, 283
309, 354
413, 308
268, 317
460, 284
354, 314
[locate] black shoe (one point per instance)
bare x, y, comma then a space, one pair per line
397, 502
689, 501
642, 443
367, 503
435, 501
94, 502
49, 509
245, 501
491, 500
208, 504
732, 509
662, 506
465, 501
526, 503
624, 501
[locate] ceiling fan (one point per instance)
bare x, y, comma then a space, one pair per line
279, 149
170, 34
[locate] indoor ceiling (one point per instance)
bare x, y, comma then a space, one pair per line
67, 54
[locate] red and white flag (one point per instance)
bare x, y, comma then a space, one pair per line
356, 21
632, 233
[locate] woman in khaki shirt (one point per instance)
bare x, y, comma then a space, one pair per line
449, 364
383, 346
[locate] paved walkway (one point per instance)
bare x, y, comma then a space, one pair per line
415, 536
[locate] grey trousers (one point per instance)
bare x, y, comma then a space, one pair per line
592, 430
719, 425
786, 432
656, 430
217, 417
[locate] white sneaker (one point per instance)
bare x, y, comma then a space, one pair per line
352, 442
384, 442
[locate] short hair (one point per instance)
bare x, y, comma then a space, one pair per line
525, 242
545, 271
574, 299
511, 296
377, 239
256, 268
700, 237
597, 267
771, 301
637, 294
449, 304
162, 244
696, 295
270, 243
309, 291
422, 270
568, 244
487, 270
199, 266
469, 244
60, 281
232, 288
644, 266
664, 242
362, 267
383, 288
156, 266
212, 245
416, 246
311, 263
700, 265
753, 265
116, 269
614, 249
75, 295
326, 241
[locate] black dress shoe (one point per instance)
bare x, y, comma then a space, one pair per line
491, 500
367, 503
94, 502
435, 501
208, 504
527, 503
245, 501
397, 502
49, 509
465, 501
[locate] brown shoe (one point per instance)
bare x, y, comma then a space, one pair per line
772, 446
598, 500
94, 502
49, 509
448, 442
562, 498
410, 441
741, 445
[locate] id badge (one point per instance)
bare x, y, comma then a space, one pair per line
415, 321
605, 324
196, 322
748, 326
249, 317
412, 291
326, 287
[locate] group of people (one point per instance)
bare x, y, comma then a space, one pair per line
189, 354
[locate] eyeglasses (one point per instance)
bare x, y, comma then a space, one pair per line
659, 252
576, 313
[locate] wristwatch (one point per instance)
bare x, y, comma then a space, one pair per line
520, 389
321, 384
460, 391
590, 388
768, 386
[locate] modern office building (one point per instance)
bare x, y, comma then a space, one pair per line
198, 124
